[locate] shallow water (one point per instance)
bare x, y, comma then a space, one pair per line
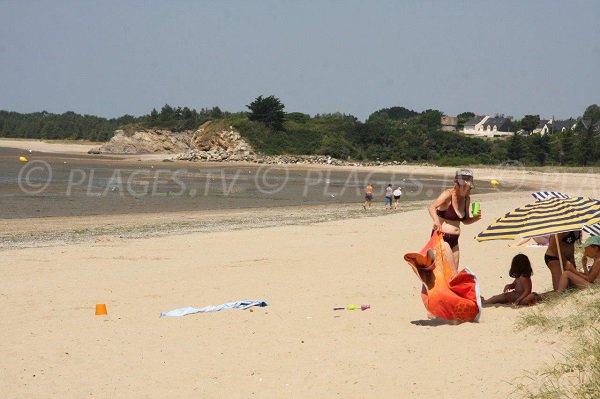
76, 185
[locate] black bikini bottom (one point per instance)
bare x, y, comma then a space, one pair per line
551, 258
451, 239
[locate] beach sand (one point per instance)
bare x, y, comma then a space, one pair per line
54, 346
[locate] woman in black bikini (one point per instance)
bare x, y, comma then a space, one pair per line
567, 250
451, 208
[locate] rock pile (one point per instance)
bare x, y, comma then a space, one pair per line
212, 142
146, 141
320, 160
216, 156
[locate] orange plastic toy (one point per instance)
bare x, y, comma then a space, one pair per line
445, 297
101, 309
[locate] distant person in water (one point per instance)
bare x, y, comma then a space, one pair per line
397, 194
388, 196
451, 209
369, 194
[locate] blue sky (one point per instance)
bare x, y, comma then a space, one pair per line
110, 58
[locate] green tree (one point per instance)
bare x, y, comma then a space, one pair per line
431, 118
585, 145
153, 115
539, 147
592, 112
297, 117
566, 148
216, 113
268, 110
167, 113
464, 117
396, 113
529, 122
516, 149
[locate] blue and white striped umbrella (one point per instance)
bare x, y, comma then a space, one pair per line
544, 195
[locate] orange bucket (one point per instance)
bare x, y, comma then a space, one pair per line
101, 310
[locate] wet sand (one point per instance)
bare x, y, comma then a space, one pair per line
58, 185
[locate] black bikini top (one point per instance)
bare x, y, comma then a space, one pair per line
571, 237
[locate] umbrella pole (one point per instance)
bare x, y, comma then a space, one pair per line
559, 254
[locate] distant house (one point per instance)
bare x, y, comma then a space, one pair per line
473, 125
499, 127
550, 125
486, 126
542, 127
564, 125
449, 123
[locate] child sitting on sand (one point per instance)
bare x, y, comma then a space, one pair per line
519, 291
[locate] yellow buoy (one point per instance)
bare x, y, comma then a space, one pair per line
22, 159
494, 182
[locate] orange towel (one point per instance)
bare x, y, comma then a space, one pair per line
445, 297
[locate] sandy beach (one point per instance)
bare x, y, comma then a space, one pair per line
303, 261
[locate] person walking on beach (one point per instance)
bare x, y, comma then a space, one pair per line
451, 208
388, 197
397, 194
369, 194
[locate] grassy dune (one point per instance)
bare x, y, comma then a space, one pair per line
575, 317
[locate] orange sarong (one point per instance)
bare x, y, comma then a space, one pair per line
445, 297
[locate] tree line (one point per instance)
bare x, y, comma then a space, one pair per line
394, 133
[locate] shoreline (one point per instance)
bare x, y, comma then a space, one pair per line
548, 174
50, 230
67, 230
488, 171
57, 231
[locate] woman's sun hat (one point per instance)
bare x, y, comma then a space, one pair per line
464, 176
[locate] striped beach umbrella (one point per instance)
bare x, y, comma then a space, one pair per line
544, 195
550, 216
592, 229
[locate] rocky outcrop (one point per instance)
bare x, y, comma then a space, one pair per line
146, 141
211, 141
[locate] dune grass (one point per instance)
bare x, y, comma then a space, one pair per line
575, 317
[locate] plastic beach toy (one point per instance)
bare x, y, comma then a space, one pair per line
101, 309
354, 307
